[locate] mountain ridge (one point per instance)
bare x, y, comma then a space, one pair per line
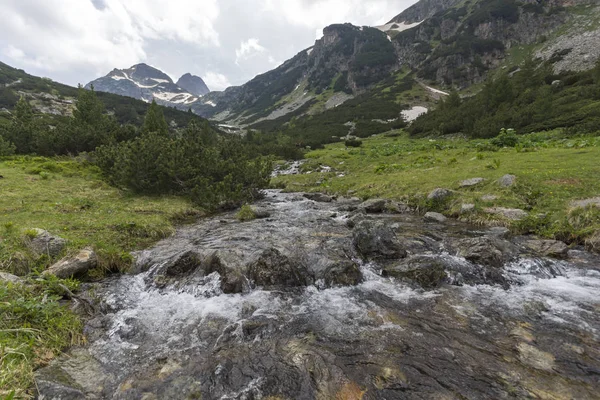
147, 83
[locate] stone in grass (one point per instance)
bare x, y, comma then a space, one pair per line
593, 202
507, 181
467, 208
9, 278
489, 197
471, 182
77, 266
435, 217
440, 194
41, 242
513, 214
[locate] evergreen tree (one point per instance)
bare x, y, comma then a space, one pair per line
90, 110
155, 120
21, 129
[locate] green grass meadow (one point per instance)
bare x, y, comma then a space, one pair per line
552, 171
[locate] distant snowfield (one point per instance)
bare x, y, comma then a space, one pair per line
437, 91
178, 98
414, 113
398, 26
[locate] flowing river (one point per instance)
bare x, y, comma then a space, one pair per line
320, 300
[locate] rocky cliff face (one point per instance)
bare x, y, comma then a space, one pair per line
460, 44
347, 59
147, 83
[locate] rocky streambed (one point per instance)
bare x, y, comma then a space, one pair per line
324, 299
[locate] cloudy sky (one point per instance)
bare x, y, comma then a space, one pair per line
226, 42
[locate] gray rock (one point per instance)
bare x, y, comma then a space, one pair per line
343, 273
440, 194
513, 214
489, 197
548, 248
487, 251
435, 217
45, 243
395, 207
593, 202
507, 181
318, 197
76, 266
261, 213
374, 206
499, 231
9, 278
427, 272
467, 208
471, 182
375, 240
273, 269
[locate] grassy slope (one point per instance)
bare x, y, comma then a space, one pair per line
552, 173
69, 199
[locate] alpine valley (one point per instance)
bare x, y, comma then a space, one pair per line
365, 80
404, 211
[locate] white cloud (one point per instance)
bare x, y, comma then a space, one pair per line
54, 35
216, 81
248, 49
76, 41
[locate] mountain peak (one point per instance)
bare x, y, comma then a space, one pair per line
193, 84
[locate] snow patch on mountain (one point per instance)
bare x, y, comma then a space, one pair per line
398, 26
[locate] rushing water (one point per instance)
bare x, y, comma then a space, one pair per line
382, 338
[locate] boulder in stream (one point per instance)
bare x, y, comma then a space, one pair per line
487, 251
273, 269
548, 248
376, 240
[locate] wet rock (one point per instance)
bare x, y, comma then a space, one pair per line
355, 218
181, 265
374, 206
488, 251
535, 358
507, 181
343, 273
499, 231
548, 248
434, 217
513, 214
427, 272
77, 377
440, 194
396, 207
375, 240
318, 197
77, 266
273, 269
467, 208
9, 278
232, 280
261, 213
471, 182
46, 243
593, 202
